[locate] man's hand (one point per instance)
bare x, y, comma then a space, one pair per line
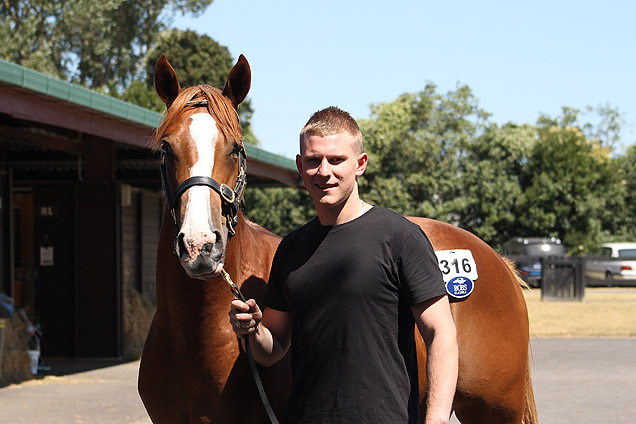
245, 317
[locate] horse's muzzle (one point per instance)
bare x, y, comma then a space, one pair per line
203, 262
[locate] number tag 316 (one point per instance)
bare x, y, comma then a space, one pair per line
459, 271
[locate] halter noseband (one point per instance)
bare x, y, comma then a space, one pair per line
229, 198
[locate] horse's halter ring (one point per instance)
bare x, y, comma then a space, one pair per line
229, 198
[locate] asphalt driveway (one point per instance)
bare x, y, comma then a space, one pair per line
584, 381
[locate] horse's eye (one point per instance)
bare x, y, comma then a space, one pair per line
236, 149
165, 146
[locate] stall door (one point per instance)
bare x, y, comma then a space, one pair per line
54, 267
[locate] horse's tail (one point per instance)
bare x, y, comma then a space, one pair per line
513, 268
530, 415
530, 408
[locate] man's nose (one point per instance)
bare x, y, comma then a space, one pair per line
323, 168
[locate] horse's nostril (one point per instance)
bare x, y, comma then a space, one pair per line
180, 245
206, 249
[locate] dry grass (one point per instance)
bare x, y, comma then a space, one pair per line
15, 366
604, 312
16, 362
138, 313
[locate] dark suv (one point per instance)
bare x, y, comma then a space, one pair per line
527, 253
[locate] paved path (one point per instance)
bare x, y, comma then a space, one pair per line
106, 395
583, 381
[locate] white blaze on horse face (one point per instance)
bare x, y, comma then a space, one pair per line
197, 225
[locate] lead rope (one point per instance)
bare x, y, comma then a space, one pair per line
250, 357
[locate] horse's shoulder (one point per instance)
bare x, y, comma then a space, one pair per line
262, 232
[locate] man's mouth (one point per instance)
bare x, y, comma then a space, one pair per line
325, 186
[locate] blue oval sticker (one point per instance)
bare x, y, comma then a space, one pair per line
460, 287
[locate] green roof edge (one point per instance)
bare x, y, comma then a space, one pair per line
29, 79
35, 81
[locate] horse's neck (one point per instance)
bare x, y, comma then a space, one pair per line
183, 301
249, 257
235, 259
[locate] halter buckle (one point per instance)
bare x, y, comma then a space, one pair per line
227, 193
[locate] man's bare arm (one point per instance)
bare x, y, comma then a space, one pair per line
436, 325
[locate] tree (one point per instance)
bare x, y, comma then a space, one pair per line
278, 209
623, 201
603, 124
197, 59
89, 42
417, 148
492, 181
437, 156
567, 184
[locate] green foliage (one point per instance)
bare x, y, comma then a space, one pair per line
278, 209
438, 156
566, 182
30, 38
622, 203
138, 93
417, 151
603, 127
90, 42
491, 180
197, 59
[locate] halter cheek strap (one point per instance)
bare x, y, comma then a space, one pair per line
229, 198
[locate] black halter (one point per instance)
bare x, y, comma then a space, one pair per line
230, 198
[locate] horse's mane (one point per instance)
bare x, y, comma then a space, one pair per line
218, 106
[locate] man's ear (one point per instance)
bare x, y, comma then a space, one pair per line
363, 160
299, 164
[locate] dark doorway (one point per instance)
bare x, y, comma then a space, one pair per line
54, 276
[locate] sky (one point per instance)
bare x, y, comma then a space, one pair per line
520, 59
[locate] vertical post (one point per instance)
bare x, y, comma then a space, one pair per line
562, 278
99, 284
6, 226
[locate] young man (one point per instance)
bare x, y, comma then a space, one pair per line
345, 291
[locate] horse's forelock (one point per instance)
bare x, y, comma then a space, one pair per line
218, 106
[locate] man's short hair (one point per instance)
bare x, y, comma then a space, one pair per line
330, 121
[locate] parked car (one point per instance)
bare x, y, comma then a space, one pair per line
527, 253
613, 261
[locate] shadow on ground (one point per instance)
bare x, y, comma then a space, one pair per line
66, 366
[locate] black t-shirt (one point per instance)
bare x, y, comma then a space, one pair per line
349, 289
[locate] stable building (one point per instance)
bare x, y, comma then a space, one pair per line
81, 207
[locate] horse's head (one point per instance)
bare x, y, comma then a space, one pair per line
203, 164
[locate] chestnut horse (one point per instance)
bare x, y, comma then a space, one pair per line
192, 368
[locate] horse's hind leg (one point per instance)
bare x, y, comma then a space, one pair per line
517, 408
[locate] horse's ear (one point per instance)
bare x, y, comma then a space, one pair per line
238, 82
166, 81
